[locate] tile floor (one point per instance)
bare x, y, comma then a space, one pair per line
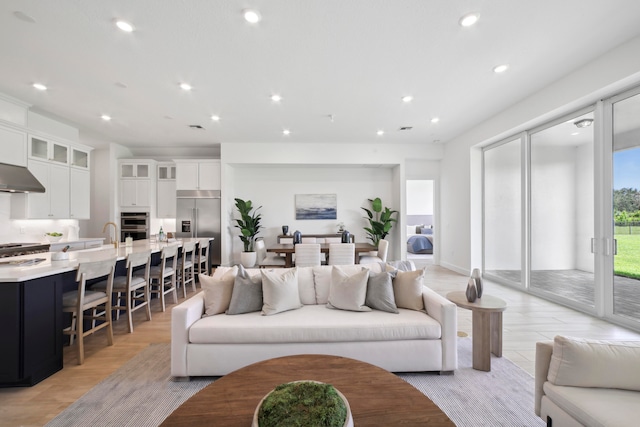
528, 319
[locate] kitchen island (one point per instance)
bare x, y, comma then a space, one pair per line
31, 307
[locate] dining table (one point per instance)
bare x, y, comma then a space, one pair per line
289, 249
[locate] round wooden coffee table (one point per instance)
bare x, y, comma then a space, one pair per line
376, 397
486, 326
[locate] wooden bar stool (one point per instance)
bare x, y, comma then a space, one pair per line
186, 268
99, 302
162, 277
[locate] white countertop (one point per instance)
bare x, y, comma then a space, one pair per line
12, 273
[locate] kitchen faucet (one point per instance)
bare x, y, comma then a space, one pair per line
115, 230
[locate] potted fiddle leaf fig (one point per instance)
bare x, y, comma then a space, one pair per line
380, 221
249, 225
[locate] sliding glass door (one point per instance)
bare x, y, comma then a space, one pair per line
562, 210
503, 213
626, 207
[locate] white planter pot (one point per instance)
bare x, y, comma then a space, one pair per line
248, 259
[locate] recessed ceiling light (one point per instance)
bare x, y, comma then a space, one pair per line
575, 133
276, 98
435, 120
286, 132
583, 123
105, 117
500, 68
407, 98
251, 16
39, 86
24, 17
185, 86
215, 118
469, 19
124, 26
380, 133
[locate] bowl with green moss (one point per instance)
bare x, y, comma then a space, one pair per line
303, 403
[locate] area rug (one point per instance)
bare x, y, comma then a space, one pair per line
142, 393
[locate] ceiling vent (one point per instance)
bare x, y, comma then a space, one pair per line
406, 128
196, 127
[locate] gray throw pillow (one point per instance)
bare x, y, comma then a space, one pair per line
247, 293
380, 293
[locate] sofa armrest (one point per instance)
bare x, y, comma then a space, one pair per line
444, 311
182, 317
544, 351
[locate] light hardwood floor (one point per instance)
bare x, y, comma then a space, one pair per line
528, 319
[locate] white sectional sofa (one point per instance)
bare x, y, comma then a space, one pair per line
582, 382
420, 338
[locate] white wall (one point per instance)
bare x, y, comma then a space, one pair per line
613, 72
419, 197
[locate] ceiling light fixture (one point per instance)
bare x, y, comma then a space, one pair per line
39, 86
105, 117
380, 133
286, 132
435, 120
500, 68
584, 123
276, 98
185, 86
407, 98
575, 133
251, 16
469, 19
124, 26
215, 118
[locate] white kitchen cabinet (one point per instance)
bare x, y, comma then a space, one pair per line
13, 146
166, 198
79, 194
53, 203
47, 150
135, 193
135, 170
198, 175
166, 171
79, 158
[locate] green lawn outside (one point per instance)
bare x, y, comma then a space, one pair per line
627, 262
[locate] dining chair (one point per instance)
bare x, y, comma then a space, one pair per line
286, 240
162, 277
265, 259
342, 253
333, 239
307, 254
309, 240
383, 249
203, 257
186, 269
78, 302
133, 289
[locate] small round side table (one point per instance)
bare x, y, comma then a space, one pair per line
486, 326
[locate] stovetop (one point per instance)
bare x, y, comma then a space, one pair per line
15, 249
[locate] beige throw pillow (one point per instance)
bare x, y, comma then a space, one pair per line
280, 291
348, 292
407, 289
217, 292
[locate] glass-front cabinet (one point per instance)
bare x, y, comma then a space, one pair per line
47, 150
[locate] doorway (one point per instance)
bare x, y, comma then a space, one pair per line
420, 226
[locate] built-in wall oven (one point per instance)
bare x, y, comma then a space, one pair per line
134, 225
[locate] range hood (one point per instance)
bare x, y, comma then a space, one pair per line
18, 179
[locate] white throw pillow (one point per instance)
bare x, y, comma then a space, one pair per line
407, 289
348, 292
580, 362
219, 272
217, 291
280, 291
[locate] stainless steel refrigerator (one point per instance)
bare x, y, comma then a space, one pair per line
198, 215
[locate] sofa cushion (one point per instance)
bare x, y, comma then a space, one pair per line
596, 406
407, 289
380, 293
217, 292
306, 288
280, 291
247, 293
582, 362
314, 323
348, 291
